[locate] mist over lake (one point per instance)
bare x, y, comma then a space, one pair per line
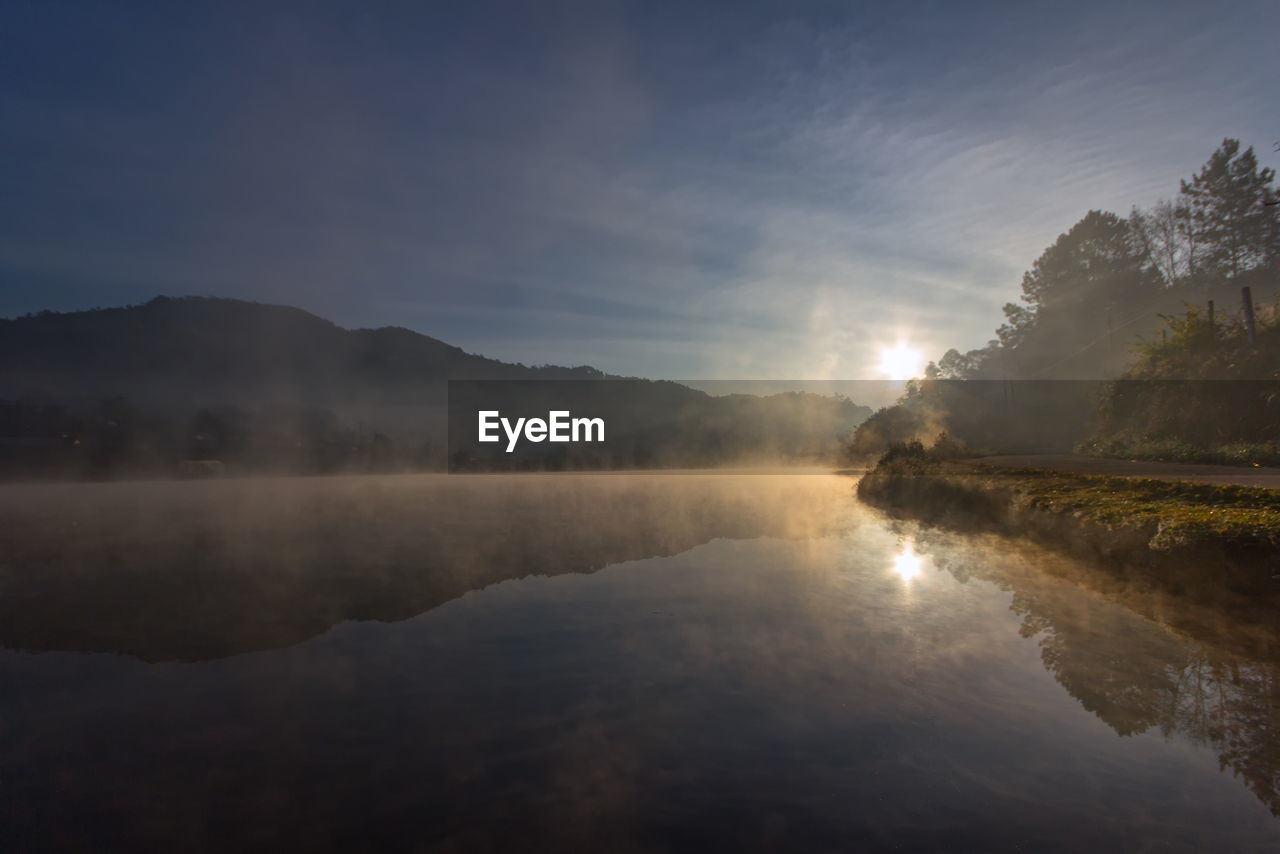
600, 662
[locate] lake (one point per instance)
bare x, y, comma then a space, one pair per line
631, 662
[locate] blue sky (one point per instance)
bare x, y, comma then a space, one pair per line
713, 190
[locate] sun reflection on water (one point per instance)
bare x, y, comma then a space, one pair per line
907, 563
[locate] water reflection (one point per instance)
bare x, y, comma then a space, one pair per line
199, 570
742, 675
1138, 675
907, 563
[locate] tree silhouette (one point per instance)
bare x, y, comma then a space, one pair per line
1227, 201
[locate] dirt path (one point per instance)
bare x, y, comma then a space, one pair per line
1199, 473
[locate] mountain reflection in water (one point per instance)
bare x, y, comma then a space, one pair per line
764, 664
197, 570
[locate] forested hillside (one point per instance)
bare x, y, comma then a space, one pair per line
1104, 284
203, 386
1149, 313
173, 352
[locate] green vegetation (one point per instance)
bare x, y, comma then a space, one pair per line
1122, 304
1183, 513
1203, 392
1109, 280
1194, 346
915, 457
1233, 528
1177, 451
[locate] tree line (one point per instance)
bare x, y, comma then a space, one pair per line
1147, 311
1108, 279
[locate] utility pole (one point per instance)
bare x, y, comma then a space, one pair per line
1246, 297
1212, 329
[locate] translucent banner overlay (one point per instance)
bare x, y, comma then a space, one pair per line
610, 425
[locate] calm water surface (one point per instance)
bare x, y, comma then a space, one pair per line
590, 662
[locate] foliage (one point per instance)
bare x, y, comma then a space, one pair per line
1165, 515
1108, 279
1092, 278
907, 421
1180, 451
1093, 306
1200, 392
903, 456
1226, 204
1192, 348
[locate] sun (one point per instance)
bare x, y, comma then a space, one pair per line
901, 362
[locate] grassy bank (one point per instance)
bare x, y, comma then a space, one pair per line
1176, 451
1186, 534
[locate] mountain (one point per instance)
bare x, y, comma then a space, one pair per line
179, 352
198, 386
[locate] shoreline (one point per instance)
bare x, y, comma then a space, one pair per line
1195, 538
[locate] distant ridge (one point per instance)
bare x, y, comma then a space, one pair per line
181, 350
202, 387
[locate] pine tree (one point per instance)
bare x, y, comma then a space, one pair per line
1093, 274
1229, 215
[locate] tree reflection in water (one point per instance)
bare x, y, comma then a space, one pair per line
1201, 681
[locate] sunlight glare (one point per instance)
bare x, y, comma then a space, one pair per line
907, 563
900, 362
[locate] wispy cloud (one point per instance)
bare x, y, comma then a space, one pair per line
741, 194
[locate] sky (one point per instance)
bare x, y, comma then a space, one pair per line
742, 190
